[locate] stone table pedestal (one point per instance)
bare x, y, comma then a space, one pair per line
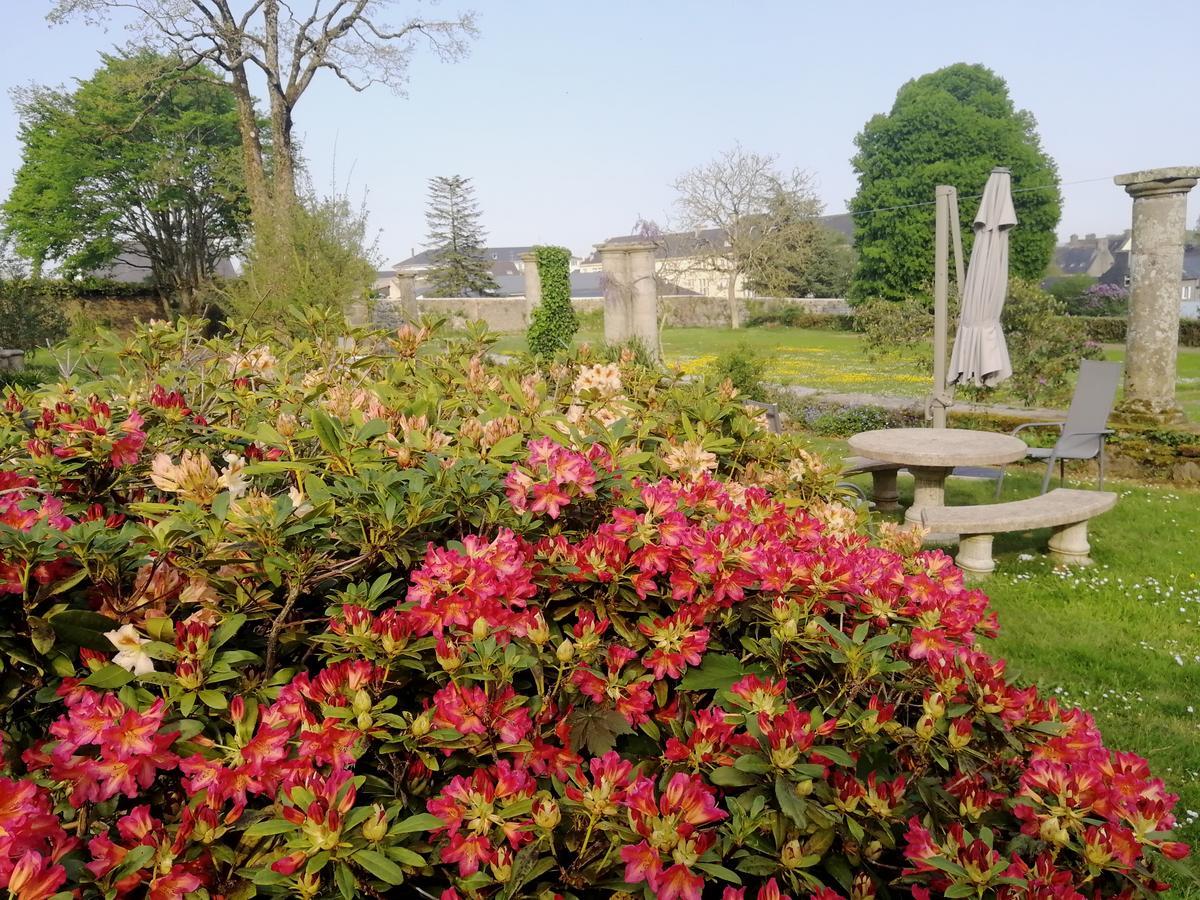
1155, 268
533, 285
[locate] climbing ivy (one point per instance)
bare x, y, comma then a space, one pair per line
553, 323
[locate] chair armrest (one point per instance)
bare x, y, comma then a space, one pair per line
1104, 433
1057, 425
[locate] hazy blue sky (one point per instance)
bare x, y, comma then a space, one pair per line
573, 118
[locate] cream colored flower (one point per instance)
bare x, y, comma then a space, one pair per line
130, 655
690, 459
259, 363
233, 477
192, 478
604, 380
300, 505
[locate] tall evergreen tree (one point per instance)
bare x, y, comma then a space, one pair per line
461, 267
951, 126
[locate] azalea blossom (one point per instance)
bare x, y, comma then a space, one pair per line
130, 656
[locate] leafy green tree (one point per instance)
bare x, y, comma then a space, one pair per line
554, 322
461, 267
810, 260
135, 162
952, 127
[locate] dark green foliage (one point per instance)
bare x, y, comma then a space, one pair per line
745, 368
1044, 344
1112, 329
461, 267
29, 377
951, 127
767, 313
1069, 287
845, 421
804, 259
553, 323
139, 158
31, 314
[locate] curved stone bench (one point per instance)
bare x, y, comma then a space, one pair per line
1065, 510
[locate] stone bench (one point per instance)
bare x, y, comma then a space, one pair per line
1065, 510
884, 491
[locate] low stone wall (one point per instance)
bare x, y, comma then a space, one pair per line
508, 313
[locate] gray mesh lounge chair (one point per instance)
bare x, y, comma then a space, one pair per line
1082, 434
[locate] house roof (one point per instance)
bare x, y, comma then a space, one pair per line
675, 244
1120, 267
133, 267
497, 254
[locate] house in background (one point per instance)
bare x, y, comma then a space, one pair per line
1106, 259
692, 259
133, 267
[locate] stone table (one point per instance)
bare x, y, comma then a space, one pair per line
931, 455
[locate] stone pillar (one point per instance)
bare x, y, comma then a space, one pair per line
630, 293
533, 285
1156, 269
408, 295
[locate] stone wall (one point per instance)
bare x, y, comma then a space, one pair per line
118, 313
508, 313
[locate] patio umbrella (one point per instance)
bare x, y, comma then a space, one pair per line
980, 355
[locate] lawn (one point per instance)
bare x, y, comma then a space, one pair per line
1121, 638
836, 361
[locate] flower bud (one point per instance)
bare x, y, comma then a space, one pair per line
960, 733
237, 709
935, 706
1052, 832
566, 651
287, 424
872, 850
925, 727
546, 814
539, 631
375, 828
364, 721
421, 724
787, 631
811, 628
502, 867
804, 787
480, 628
308, 885
362, 701
791, 855
448, 655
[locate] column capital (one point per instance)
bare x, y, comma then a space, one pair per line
626, 246
1159, 182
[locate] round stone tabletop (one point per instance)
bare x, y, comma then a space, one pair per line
938, 447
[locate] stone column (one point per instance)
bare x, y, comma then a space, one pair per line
533, 285
630, 293
408, 295
1156, 269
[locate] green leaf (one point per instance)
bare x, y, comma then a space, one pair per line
719, 871
214, 699
419, 822
109, 678
227, 629
270, 826
728, 776
346, 882
84, 628
135, 859
789, 803
380, 866
835, 755
718, 672
329, 433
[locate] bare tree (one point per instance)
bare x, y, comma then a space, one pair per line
353, 39
733, 204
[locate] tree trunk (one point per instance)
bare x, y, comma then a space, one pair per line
283, 164
252, 152
735, 312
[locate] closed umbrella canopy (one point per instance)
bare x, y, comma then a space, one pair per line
980, 355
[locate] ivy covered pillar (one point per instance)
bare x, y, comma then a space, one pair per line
630, 293
533, 284
1155, 269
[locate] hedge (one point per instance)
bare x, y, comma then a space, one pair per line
1112, 329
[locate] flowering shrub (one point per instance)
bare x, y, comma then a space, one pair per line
341, 618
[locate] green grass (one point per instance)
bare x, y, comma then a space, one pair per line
1120, 639
836, 360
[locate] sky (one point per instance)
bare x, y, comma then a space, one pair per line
573, 119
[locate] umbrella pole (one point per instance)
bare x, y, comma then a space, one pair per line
941, 285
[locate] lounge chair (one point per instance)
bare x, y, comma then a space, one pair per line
1082, 435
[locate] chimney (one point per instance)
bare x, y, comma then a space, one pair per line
1074, 239
1091, 237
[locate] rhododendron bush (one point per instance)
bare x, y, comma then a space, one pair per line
374, 616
